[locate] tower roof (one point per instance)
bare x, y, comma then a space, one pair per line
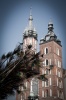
50, 27
50, 35
30, 30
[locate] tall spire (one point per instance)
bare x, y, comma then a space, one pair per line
30, 30
30, 20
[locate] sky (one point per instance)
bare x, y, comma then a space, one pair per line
14, 16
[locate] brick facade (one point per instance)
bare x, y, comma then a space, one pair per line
50, 46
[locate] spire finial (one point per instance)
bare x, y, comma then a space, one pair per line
50, 25
50, 22
30, 10
30, 18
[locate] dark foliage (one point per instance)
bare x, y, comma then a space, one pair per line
42, 77
19, 66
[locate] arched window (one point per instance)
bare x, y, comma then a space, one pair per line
57, 51
46, 50
46, 62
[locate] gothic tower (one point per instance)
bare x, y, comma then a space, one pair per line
29, 38
51, 47
30, 35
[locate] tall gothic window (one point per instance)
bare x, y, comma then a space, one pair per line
50, 92
59, 64
50, 81
42, 93
42, 83
35, 86
46, 83
57, 51
46, 93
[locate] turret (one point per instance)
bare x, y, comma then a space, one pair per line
51, 36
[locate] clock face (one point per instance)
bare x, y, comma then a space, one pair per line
47, 38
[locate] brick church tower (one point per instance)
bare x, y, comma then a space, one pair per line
29, 38
51, 47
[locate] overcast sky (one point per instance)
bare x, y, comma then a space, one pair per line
14, 16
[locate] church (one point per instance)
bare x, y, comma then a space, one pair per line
50, 46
